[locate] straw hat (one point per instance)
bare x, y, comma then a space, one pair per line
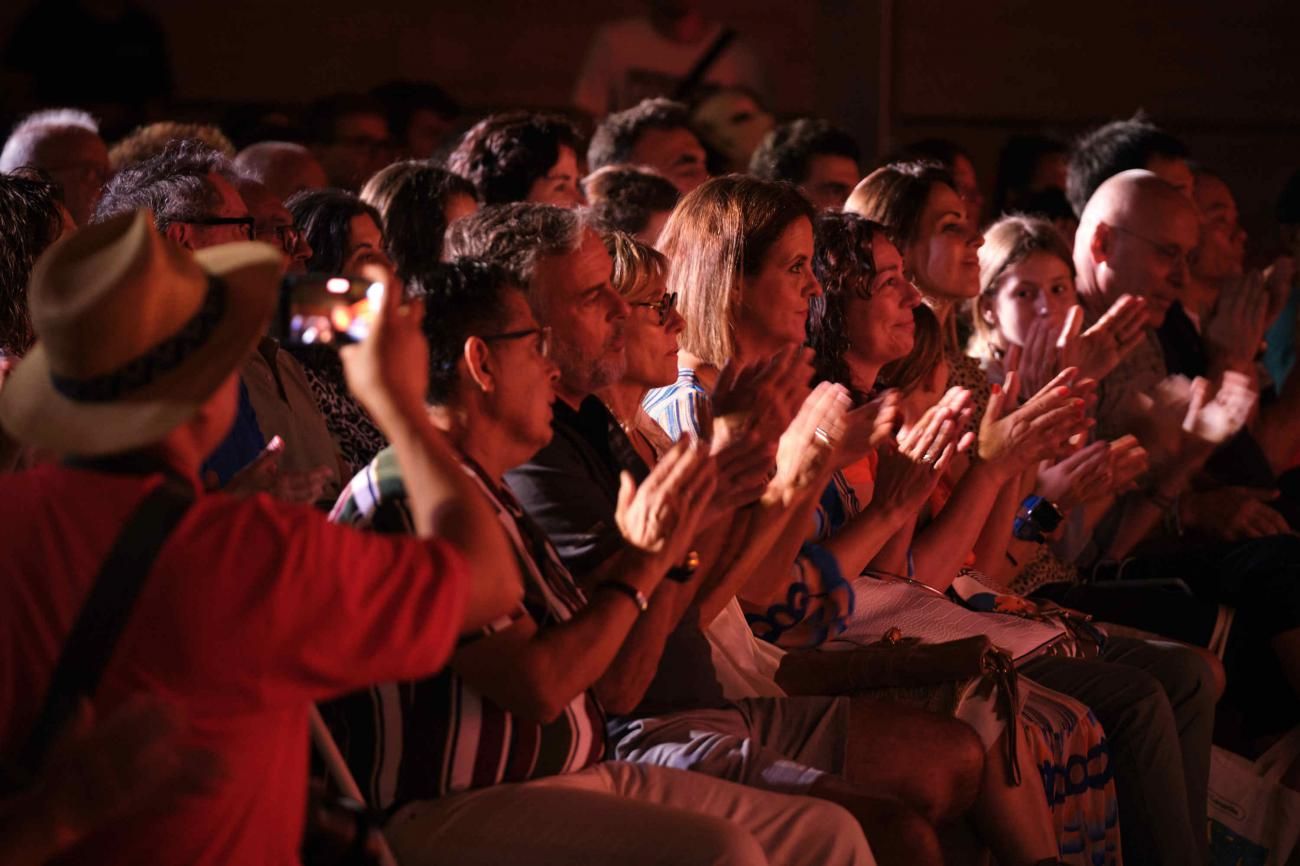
134, 334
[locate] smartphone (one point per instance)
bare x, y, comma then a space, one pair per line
326, 309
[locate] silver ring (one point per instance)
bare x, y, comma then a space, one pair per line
927, 458
822, 435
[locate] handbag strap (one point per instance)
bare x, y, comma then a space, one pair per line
104, 615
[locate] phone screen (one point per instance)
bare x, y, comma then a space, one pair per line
329, 309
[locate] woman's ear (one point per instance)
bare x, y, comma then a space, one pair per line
479, 365
984, 309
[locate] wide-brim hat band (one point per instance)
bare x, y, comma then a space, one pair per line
148, 368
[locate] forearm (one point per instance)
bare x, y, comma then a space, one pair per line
625, 681
541, 672
1142, 513
862, 539
941, 547
764, 569
893, 557
995, 538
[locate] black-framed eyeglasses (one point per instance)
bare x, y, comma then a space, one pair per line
1172, 252
286, 236
664, 306
246, 221
543, 338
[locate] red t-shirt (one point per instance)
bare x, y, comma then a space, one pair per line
253, 610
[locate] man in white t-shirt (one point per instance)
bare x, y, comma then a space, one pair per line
649, 55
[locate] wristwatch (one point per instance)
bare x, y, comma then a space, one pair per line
686, 570
1036, 519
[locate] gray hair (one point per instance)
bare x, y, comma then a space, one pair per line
175, 185
515, 235
20, 147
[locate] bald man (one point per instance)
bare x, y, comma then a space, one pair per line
283, 167
1221, 536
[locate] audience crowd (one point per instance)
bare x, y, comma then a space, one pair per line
701, 493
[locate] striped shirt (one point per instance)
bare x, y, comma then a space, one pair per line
683, 407
422, 739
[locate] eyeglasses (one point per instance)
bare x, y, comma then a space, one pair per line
1170, 252
287, 237
246, 221
664, 306
543, 338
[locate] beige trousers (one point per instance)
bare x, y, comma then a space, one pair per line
626, 814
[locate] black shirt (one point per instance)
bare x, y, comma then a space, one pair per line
570, 488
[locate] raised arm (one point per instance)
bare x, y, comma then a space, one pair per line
389, 374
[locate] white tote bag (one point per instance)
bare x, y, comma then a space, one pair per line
1254, 818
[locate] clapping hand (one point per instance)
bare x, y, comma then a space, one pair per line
869, 427
764, 396
1049, 349
1217, 420
1098, 350
661, 515
1041, 429
1235, 328
1128, 463
910, 467
806, 448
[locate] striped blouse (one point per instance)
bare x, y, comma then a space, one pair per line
422, 739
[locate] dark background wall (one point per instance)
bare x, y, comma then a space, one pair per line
1221, 74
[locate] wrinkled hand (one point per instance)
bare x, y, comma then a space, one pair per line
806, 448
1234, 513
389, 371
1235, 328
1042, 429
1083, 476
660, 515
131, 759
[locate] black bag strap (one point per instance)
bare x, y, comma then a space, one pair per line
702, 66
104, 615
